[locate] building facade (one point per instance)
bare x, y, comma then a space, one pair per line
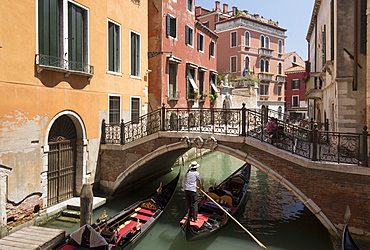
337, 87
295, 87
182, 57
65, 67
250, 50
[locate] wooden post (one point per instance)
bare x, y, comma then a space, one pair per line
86, 204
314, 142
244, 120
163, 117
364, 147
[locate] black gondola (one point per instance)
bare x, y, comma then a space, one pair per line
230, 194
347, 242
125, 228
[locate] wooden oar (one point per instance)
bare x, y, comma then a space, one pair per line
237, 222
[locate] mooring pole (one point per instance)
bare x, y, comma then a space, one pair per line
86, 204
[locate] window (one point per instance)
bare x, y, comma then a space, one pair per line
135, 54
190, 5
49, 30
267, 42
189, 35
267, 66
212, 48
246, 38
295, 84
114, 47
295, 101
279, 90
212, 82
262, 65
201, 83
135, 109
114, 109
172, 80
233, 39
280, 45
233, 64
200, 42
171, 26
264, 89
77, 36
246, 63
191, 85
294, 59
262, 41
280, 68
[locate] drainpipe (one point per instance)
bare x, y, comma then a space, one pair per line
355, 59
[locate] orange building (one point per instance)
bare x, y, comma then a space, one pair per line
249, 49
65, 66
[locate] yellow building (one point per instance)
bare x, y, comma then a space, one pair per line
64, 67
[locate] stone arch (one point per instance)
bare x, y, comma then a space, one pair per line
81, 151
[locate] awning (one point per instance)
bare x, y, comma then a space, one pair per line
213, 86
192, 82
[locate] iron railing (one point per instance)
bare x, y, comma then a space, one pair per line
313, 144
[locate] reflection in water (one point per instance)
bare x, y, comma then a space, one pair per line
276, 217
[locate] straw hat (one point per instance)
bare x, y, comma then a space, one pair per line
194, 164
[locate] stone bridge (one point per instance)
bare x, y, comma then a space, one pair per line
298, 162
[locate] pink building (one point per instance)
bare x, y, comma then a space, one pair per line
182, 57
250, 46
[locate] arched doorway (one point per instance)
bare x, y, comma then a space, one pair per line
61, 160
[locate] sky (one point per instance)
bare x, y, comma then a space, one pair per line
293, 15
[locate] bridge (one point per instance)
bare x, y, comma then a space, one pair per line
326, 170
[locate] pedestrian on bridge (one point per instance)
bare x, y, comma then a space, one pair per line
192, 177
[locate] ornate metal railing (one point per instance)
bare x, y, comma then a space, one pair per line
312, 144
60, 64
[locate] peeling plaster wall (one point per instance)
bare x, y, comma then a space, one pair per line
20, 148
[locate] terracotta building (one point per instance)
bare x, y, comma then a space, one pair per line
182, 57
295, 87
249, 52
65, 66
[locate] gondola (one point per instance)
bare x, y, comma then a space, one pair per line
125, 228
230, 194
347, 242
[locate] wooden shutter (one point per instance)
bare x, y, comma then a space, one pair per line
168, 24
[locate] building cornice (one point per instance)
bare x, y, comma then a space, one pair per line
315, 12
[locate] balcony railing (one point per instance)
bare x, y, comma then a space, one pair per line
265, 76
280, 78
265, 52
62, 65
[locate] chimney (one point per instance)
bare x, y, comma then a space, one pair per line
226, 8
217, 6
235, 9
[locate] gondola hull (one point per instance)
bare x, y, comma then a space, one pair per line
211, 219
347, 242
126, 228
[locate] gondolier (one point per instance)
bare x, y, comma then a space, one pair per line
192, 177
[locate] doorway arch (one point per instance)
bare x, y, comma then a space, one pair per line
65, 156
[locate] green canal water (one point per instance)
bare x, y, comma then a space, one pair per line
274, 216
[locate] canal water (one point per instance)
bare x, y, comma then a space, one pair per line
274, 216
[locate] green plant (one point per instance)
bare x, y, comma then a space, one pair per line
213, 98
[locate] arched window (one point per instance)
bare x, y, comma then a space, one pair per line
267, 66
280, 68
262, 41
280, 44
262, 65
246, 62
267, 42
246, 38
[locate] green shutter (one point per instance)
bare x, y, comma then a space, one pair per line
111, 46
168, 24
48, 23
75, 35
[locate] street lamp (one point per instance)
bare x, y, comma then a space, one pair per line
152, 54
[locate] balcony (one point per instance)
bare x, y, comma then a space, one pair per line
314, 86
280, 78
265, 76
265, 52
61, 65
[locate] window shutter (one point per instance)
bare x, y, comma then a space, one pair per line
198, 41
187, 39
168, 24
